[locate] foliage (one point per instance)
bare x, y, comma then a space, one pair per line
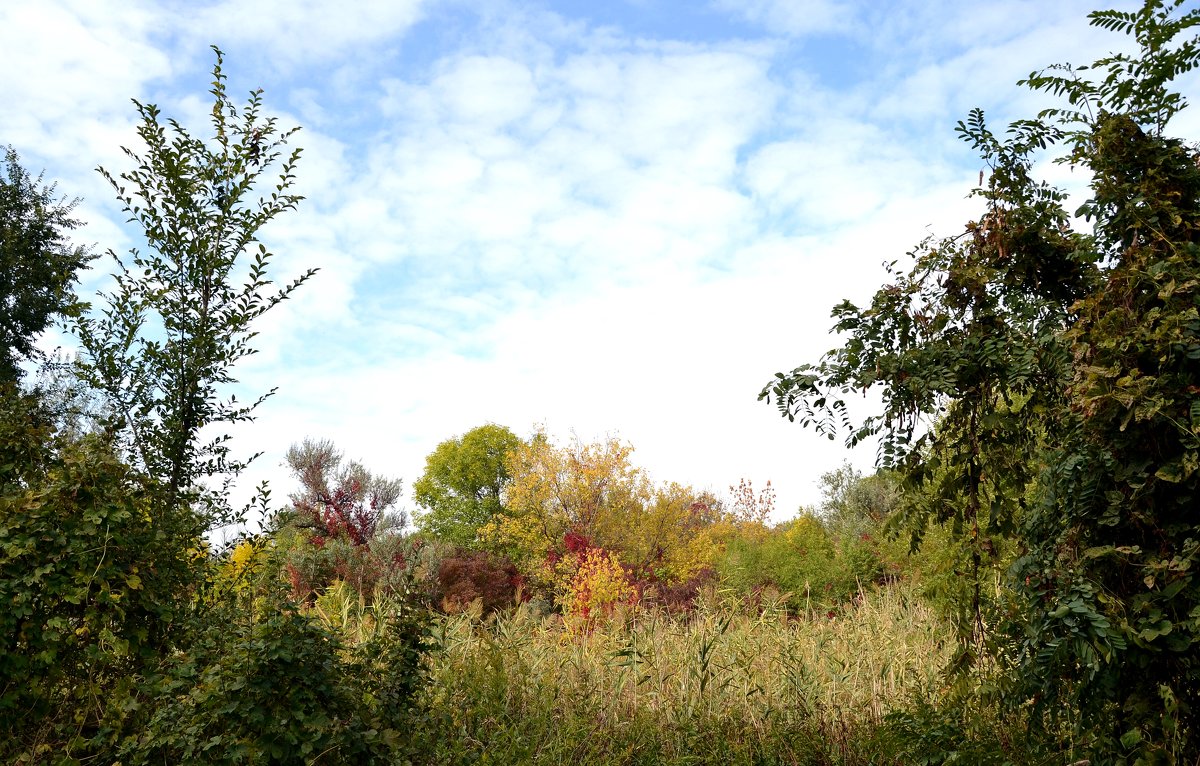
340, 500
275, 692
589, 582
854, 504
94, 590
671, 537
586, 489
750, 507
163, 349
341, 526
722, 687
969, 731
467, 578
1035, 346
463, 484
664, 536
38, 265
798, 560
818, 561
381, 566
126, 637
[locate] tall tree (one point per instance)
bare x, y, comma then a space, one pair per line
38, 264
463, 484
163, 349
99, 534
1031, 345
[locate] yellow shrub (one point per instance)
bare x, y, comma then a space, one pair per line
593, 584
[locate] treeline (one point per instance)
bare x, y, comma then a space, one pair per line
1041, 393
576, 530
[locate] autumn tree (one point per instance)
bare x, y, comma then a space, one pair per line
342, 525
587, 489
1028, 344
339, 497
564, 501
463, 486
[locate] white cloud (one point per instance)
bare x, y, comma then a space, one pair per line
490, 91
71, 68
795, 18
296, 32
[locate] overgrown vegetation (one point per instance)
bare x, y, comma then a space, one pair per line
1014, 585
1060, 368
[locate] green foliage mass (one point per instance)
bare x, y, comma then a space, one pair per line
122, 638
38, 265
463, 484
1060, 369
820, 561
93, 588
277, 691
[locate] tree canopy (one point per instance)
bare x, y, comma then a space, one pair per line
38, 263
163, 349
463, 486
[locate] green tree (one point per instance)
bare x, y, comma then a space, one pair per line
38, 265
1061, 370
853, 504
163, 349
103, 570
463, 486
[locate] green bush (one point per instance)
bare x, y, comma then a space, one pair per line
275, 692
91, 587
800, 559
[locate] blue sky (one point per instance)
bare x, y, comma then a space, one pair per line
605, 218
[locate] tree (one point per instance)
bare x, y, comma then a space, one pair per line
338, 525
563, 501
853, 504
592, 490
1040, 381
340, 499
163, 349
38, 265
464, 482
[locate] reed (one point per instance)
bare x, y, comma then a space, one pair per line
723, 685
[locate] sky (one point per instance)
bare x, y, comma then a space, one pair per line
602, 219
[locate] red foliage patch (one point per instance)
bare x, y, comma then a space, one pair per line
467, 576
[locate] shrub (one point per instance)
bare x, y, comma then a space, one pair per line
469, 576
275, 692
93, 590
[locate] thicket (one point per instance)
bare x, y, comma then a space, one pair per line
1059, 369
127, 637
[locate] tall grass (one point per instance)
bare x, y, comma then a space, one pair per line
723, 685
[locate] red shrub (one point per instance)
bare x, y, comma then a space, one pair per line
470, 575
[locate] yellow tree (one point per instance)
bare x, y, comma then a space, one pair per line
673, 535
591, 490
565, 501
